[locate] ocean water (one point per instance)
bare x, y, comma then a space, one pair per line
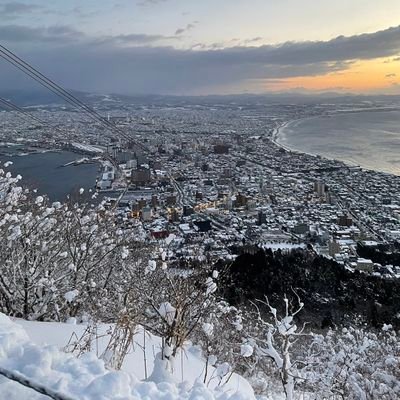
370, 139
45, 173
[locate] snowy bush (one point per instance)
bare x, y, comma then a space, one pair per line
170, 303
354, 364
57, 260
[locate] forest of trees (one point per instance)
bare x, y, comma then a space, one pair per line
332, 294
381, 254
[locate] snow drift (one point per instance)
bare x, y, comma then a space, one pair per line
86, 378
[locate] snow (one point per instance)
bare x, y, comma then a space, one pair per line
170, 238
387, 327
87, 148
223, 370
33, 349
246, 350
208, 328
152, 265
167, 311
39, 200
211, 286
124, 253
70, 296
281, 246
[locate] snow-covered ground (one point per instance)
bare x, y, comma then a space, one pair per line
33, 349
282, 246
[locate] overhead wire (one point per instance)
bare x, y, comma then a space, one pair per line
28, 116
27, 69
9, 105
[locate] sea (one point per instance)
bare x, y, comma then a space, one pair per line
46, 173
370, 139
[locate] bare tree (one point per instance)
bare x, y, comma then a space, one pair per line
276, 343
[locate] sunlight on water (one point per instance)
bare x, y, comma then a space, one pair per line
369, 139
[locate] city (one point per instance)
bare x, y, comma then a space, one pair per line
213, 176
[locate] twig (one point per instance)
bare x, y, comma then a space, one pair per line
32, 384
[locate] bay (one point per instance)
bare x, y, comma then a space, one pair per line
370, 139
45, 172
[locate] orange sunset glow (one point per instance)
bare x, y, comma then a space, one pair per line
380, 75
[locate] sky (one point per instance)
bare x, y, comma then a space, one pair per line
193, 47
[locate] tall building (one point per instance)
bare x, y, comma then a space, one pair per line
154, 201
319, 188
146, 214
261, 218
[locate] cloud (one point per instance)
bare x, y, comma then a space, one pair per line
396, 59
62, 35
253, 40
187, 28
142, 63
13, 10
57, 34
390, 75
134, 39
80, 13
18, 8
145, 3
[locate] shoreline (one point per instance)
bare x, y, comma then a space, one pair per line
274, 138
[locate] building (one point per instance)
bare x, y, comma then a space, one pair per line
319, 188
344, 220
154, 201
104, 184
364, 264
221, 149
159, 234
124, 156
131, 164
141, 176
146, 214
203, 226
334, 248
300, 229
187, 211
261, 218
155, 164
171, 200
173, 215
241, 200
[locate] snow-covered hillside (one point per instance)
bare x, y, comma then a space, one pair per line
33, 350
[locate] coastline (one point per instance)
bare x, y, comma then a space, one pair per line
277, 131
277, 134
